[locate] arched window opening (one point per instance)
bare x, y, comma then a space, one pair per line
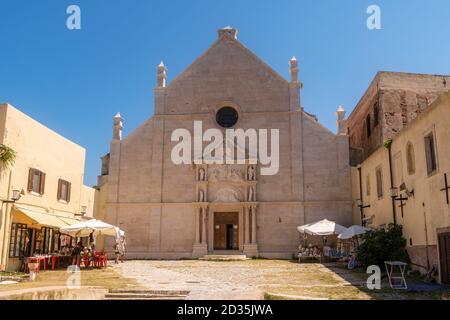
410, 161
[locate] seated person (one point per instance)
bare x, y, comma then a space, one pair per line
326, 251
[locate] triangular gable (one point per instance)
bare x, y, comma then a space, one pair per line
239, 49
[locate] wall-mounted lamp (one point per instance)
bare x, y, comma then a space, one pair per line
368, 220
359, 203
83, 210
404, 188
16, 195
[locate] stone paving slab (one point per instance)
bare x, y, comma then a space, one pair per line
223, 280
152, 275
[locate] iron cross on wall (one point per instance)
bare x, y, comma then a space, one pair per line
402, 202
446, 187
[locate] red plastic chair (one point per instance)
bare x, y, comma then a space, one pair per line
97, 259
105, 257
102, 260
86, 261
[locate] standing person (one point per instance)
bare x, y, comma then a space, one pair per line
23, 254
76, 254
92, 242
326, 251
117, 250
122, 247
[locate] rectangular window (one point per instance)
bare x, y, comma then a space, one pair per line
376, 115
36, 181
430, 153
368, 126
379, 182
64, 188
18, 240
368, 186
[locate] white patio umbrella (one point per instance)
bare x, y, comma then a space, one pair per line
301, 229
85, 228
352, 231
322, 228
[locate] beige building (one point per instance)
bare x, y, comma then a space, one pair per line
182, 211
49, 169
407, 184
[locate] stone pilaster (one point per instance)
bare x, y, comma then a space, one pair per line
247, 225
200, 247
204, 219
254, 225
251, 246
197, 226
112, 211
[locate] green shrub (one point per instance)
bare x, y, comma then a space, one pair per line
386, 244
7, 156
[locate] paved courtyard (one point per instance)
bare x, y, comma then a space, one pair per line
250, 279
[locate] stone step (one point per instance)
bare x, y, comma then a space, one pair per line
145, 294
224, 257
135, 296
147, 291
148, 298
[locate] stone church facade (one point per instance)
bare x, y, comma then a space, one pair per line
172, 211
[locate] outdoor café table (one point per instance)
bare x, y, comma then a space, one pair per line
43, 258
390, 268
31, 260
38, 260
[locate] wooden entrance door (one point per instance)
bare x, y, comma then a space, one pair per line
226, 231
444, 256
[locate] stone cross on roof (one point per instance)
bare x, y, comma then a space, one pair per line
228, 33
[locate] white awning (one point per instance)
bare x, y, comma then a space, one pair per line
85, 228
37, 216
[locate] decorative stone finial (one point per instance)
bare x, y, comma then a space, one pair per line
161, 75
117, 126
293, 68
228, 33
341, 122
295, 85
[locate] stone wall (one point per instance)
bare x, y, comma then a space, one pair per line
157, 202
421, 258
400, 98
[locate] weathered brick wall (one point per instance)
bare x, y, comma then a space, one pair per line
400, 98
399, 107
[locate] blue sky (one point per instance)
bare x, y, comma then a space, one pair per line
75, 81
